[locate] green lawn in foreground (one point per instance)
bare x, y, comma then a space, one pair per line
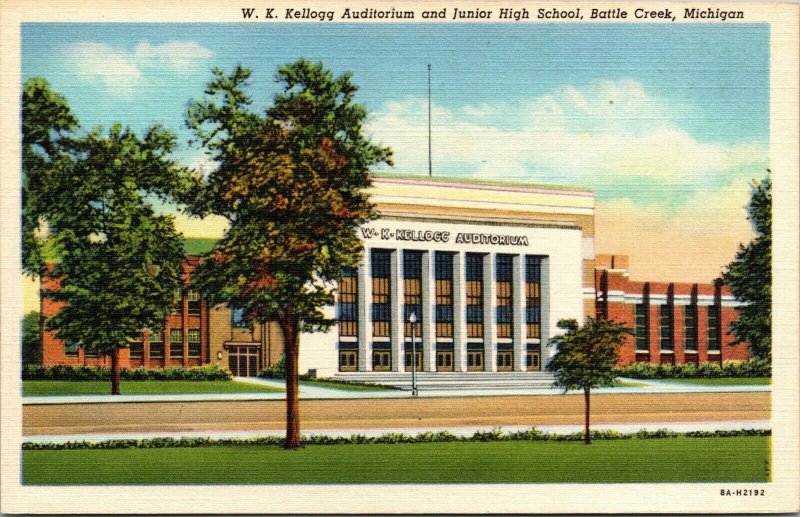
723, 381
47, 388
343, 386
735, 459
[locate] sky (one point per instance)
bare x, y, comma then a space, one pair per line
668, 124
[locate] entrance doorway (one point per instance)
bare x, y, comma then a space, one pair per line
505, 361
243, 360
533, 360
381, 361
418, 360
474, 361
444, 361
348, 360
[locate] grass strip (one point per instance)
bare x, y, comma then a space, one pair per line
72, 388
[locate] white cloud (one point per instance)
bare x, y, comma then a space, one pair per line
121, 72
607, 129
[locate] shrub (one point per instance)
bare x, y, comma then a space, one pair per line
425, 437
276, 371
95, 373
744, 369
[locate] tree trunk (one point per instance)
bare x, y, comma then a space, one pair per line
289, 327
587, 438
115, 371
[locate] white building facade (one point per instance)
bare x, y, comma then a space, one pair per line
487, 270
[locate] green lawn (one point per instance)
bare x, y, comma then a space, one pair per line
46, 388
197, 245
735, 459
723, 381
344, 385
627, 384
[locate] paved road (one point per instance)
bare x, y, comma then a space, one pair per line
407, 413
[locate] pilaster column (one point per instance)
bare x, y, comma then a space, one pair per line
459, 313
428, 334
518, 312
489, 314
365, 313
397, 303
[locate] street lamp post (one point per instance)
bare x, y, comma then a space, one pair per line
413, 320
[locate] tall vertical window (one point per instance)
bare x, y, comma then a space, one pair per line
177, 300
194, 302
136, 347
193, 338
176, 343
443, 274
381, 294
348, 302
505, 302
533, 297
474, 278
237, 318
412, 289
665, 327
641, 327
690, 327
713, 328
156, 345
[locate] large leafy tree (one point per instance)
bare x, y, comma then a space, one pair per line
291, 182
117, 261
749, 276
585, 358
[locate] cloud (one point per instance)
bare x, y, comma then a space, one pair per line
122, 72
672, 201
606, 131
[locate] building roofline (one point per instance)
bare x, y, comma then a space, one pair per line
476, 183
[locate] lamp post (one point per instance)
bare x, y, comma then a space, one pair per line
412, 318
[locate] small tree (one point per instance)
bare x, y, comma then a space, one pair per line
118, 262
586, 357
31, 343
292, 184
750, 276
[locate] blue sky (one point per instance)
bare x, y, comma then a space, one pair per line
664, 119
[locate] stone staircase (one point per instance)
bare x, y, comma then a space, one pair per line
434, 381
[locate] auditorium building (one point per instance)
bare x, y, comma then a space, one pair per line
486, 269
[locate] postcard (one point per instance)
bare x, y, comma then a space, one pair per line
433, 257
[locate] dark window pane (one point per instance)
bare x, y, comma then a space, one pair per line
381, 263
443, 265
504, 264
474, 266
412, 264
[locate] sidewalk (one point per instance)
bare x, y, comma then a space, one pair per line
370, 433
317, 392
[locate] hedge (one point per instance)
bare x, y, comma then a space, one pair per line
426, 437
745, 369
37, 372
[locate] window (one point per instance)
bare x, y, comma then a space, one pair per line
665, 327
443, 274
641, 328
474, 278
348, 302
136, 347
713, 328
381, 294
176, 343
503, 274
533, 300
194, 342
177, 300
237, 318
690, 327
156, 345
194, 303
412, 290
71, 349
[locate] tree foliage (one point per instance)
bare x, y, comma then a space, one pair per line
586, 357
749, 276
292, 184
31, 349
47, 124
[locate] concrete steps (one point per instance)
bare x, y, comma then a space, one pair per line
454, 380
